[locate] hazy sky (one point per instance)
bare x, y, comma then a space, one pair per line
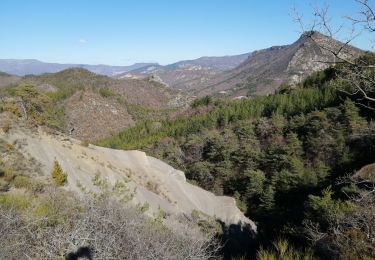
124, 32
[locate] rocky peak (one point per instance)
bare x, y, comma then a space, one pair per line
265, 70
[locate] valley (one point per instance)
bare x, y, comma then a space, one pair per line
267, 154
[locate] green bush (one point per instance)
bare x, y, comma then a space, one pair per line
106, 92
17, 201
21, 182
284, 251
7, 174
205, 101
54, 209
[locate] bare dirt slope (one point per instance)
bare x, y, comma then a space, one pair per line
94, 117
148, 92
129, 175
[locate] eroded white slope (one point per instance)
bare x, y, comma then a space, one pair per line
146, 179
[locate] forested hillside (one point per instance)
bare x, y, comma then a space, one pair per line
284, 157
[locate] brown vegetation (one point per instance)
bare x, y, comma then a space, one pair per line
62, 226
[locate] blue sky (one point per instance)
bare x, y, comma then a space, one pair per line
124, 32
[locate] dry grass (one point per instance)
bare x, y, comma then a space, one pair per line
6, 128
60, 225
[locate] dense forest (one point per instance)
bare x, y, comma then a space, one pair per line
291, 160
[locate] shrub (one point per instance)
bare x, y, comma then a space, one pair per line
37, 186
283, 250
6, 128
85, 143
204, 101
54, 208
12, 108
21, 182
106, 92
239, 202
7, 174
8, 147
60, 225
58, 175
153, 187
17, 201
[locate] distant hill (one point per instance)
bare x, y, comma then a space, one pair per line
146, 92
188, 74
31, 66
265, 70
97, 106
7, 79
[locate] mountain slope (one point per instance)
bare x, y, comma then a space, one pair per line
97, 106
220, 63
188, 74
183, 79
265, 70
146, 91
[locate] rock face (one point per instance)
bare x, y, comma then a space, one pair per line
131, 175
265, 70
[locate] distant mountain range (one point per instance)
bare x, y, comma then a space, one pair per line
31, 66
188, 74
257, 73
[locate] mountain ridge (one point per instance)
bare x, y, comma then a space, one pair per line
260, 72
22, 67
265, 70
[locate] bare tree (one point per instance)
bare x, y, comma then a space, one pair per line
97, 229
353, 233
356, 75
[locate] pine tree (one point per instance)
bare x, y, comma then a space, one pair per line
268, 198
58, 175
